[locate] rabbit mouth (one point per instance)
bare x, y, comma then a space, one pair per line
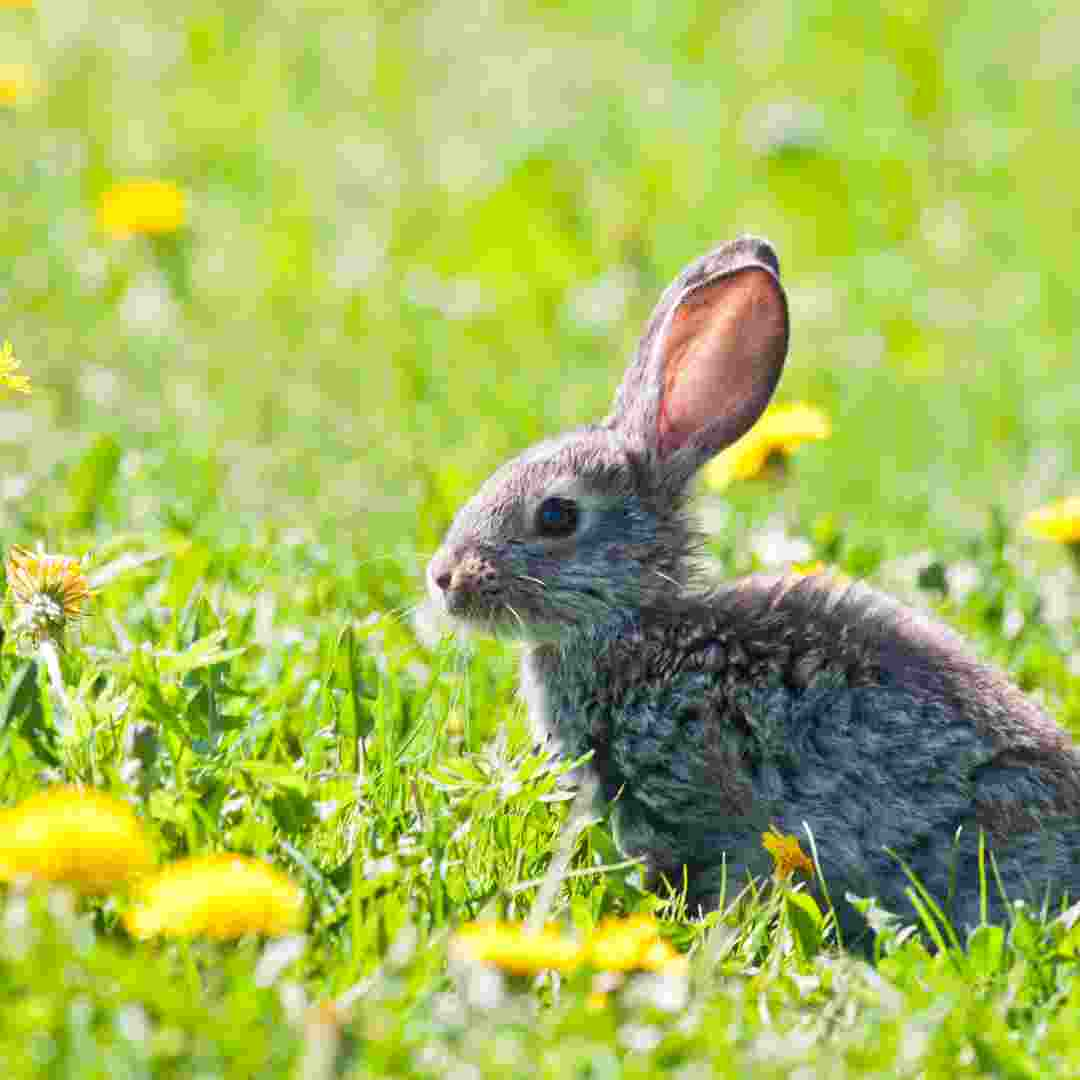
496, 616
479, 609
495, 621
470, 607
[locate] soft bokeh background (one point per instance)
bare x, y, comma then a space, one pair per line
422, 235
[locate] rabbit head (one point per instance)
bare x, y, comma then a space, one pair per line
593, 522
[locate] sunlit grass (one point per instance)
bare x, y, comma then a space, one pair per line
381, 248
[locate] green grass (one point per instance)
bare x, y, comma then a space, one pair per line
420, 237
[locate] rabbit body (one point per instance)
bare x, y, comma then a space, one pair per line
784, 701
713, 713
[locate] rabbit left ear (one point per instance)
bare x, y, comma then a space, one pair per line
710, 357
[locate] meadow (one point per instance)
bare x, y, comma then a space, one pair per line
412, 238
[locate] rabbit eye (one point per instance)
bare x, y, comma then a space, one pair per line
556, 517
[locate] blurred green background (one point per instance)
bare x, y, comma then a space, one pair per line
420, 236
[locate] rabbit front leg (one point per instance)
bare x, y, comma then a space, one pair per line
679, 765
662, 756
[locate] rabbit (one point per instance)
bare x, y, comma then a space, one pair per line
713, 712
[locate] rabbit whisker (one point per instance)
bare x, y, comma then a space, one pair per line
521, 621
406, 611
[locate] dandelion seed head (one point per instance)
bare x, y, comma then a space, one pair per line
49, 592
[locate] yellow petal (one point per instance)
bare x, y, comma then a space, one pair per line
1059, 521
781, 430
515, 949
16, 83
9, 371
660, 955
631, 944
786, 852
82, 837
142, 206
219, 896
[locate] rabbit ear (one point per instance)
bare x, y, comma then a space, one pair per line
709, 360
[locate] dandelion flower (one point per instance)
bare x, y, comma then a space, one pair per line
781, 431
220, 896
49, 592
632, 944
786, 853
808, 569
16, 4
1059, 521
142, 206
513, 948
16, 83
75, 835
817, 568
9, 371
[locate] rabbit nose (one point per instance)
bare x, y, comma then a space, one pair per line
441, 572
460, 576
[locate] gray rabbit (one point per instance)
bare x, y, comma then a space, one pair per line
713, 713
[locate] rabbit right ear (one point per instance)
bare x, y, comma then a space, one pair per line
709, 360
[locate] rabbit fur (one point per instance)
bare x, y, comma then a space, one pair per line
714, 712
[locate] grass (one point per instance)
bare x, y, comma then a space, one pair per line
419, 237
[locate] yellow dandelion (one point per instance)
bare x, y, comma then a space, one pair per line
778, 434
1059, 521
16, 83
82, 837
9, 371
49, 592
142, 206
661, 955
219, 896
515, 949
16, 3
817, 568
786, 853
631, 944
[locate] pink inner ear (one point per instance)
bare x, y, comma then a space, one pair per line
722, 356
